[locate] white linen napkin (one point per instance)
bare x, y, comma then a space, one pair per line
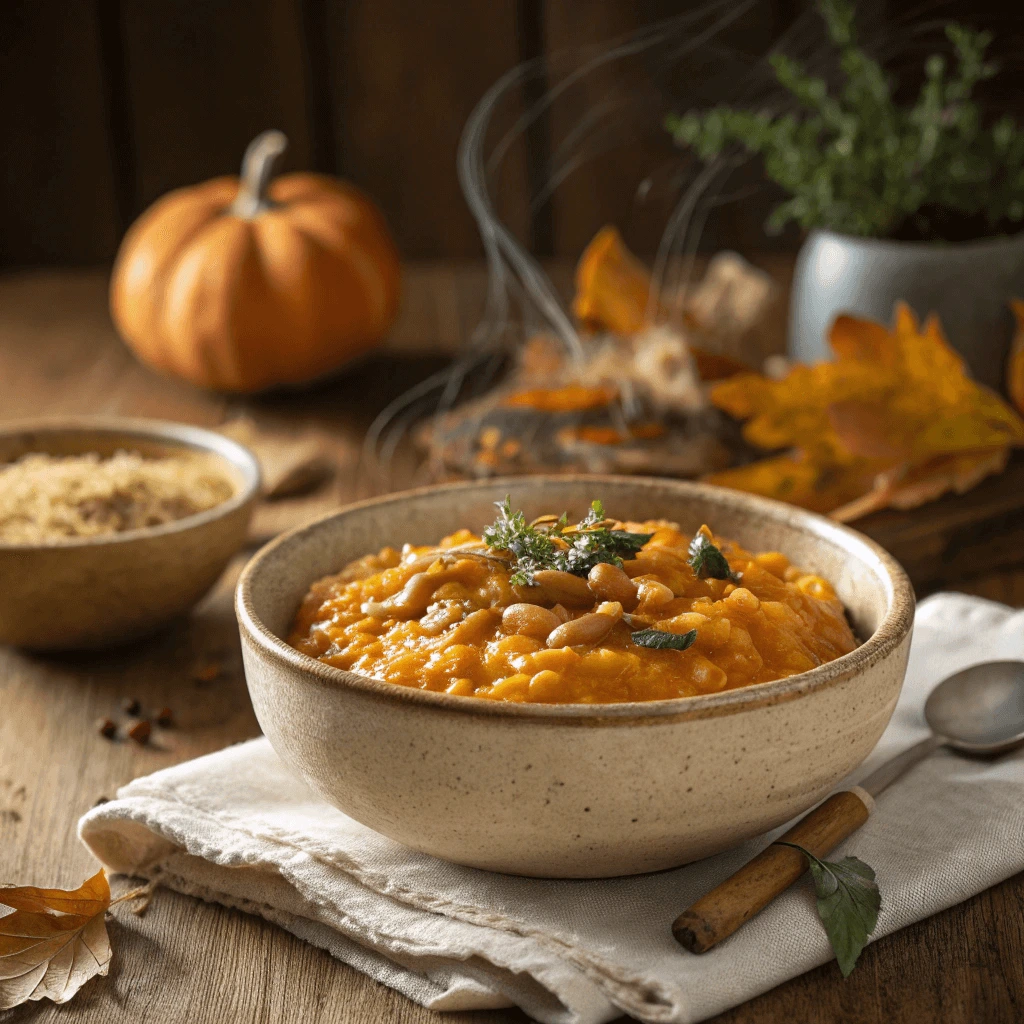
571, 952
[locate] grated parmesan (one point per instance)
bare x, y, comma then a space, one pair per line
47, 499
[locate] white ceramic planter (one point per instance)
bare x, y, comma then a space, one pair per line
573, 790
969, 285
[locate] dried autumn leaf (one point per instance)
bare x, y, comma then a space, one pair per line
1015, 364
570, 398
53, 942
893, 421
787, 413
957, 473
852, 338
613, 287
924, 404
800, 480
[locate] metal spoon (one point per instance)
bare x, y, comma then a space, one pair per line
978, 711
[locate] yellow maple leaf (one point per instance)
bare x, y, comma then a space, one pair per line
925, 404
799, 479
895, 406
906, 489
1015, 364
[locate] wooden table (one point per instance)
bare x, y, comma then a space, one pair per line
191, 961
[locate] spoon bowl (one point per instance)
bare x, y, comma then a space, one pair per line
980, 710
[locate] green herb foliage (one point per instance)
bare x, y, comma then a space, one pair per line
659, 640
857, 163
848, 904
533, 548
708, 562
595, 542
556, 545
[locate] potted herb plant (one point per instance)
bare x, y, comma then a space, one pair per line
920, 202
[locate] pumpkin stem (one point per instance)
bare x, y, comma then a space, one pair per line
257, 170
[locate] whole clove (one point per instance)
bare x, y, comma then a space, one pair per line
140, 730
207, 671
106, 727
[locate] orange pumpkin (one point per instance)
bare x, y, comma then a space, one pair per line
240, 284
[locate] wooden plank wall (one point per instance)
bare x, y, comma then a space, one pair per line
107, 104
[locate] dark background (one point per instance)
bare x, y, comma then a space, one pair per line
107, 104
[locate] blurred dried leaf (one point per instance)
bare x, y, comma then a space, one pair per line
570, 398
923, 404
613, 288
1015, 364
54, 942
957, 473
799, 479
893, 421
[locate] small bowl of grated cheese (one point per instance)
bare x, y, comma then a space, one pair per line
111, 527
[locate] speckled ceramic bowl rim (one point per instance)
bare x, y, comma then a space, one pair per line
165, 432
890, 633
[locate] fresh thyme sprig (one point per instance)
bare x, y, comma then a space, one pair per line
531, 546
549, 543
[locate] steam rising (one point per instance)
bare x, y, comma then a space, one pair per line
685, 62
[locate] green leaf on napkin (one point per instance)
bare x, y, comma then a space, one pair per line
848, 904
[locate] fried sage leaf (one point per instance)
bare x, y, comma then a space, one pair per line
588, 548
659, 640
53, 942
848, 903
707, 561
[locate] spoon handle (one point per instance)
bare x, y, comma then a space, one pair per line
885, 776
718, 914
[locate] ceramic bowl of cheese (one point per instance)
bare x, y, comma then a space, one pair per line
575, 722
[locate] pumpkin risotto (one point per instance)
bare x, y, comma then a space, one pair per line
47, 499
600, 612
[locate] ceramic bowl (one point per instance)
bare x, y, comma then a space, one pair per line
97, 591
572, 790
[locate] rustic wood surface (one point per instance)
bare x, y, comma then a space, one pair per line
190, 961
110, 104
